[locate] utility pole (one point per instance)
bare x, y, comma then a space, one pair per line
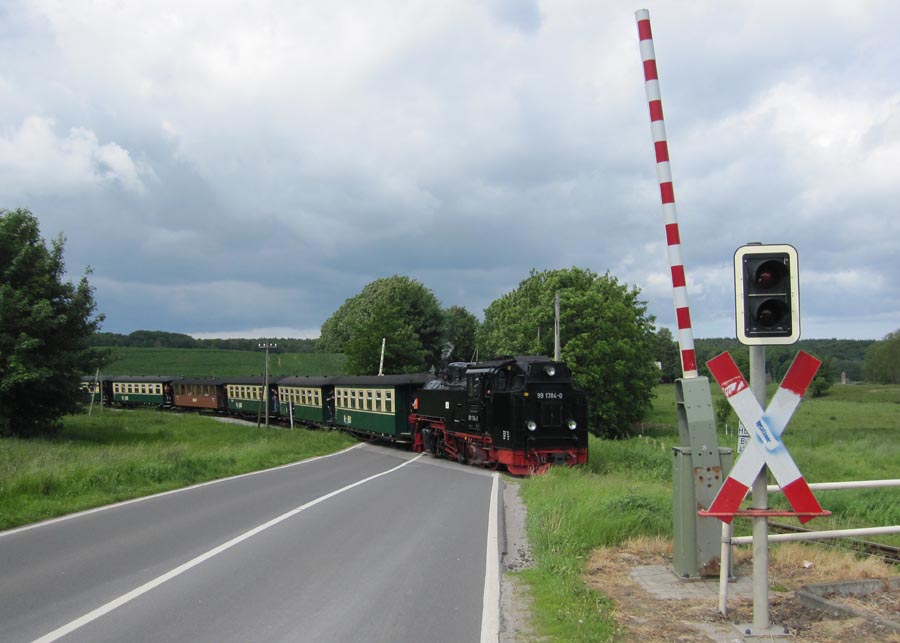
556, 343
267, 346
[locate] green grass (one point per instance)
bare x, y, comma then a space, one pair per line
199, 362
625, 491
116, 455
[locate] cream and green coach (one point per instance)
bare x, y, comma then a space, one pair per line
377, 405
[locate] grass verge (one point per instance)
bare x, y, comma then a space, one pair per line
573, 511
115, 456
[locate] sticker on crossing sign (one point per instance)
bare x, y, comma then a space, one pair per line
743, 437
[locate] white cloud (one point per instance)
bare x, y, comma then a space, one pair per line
34, 159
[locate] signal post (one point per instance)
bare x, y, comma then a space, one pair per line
767, 311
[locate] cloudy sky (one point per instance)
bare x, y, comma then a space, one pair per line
238, 168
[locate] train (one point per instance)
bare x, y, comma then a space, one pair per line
519, 413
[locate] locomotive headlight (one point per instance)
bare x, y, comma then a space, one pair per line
550, 370
573, 425
531, 425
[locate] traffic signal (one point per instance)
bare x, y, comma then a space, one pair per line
766, 290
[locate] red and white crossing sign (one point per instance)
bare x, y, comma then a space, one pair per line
765, 446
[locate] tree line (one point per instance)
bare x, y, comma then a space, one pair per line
839, 356
162, 339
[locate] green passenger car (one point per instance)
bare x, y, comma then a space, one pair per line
307, 399
246, 394
151, 390
91, 389
377, 405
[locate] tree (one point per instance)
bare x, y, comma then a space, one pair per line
882, 363
824, 378
668, 356
460, 333
393, 305
403, 351
607, 339
45, 329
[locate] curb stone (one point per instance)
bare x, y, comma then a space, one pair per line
814, 596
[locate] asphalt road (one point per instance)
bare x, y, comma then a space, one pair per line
371, 544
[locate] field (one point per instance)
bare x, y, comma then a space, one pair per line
199, 362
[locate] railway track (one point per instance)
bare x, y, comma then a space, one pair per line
888, 553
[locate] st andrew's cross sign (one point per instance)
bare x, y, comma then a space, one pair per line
765, 446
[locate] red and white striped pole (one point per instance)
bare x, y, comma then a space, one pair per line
667, 192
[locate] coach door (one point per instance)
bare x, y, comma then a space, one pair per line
474, 401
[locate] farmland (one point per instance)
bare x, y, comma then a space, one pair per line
201, 362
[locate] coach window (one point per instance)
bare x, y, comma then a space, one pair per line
388, 402
378, 401
369, 406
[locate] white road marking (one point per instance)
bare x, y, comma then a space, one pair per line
490, 610
70, 627
87, 512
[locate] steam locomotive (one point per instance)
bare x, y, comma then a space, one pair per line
521, 413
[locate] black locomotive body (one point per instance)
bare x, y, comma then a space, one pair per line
520, 412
